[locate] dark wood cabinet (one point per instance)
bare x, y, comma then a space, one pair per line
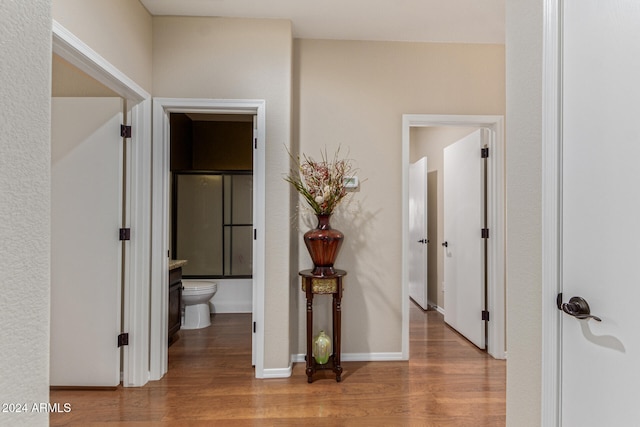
175, 299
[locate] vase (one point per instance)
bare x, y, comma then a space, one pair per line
323, 244
322, 348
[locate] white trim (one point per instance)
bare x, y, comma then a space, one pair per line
551, 214
76, 52
358, 357
135, 364
277, 372
496, 222
160, 220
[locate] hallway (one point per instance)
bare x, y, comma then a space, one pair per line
447, 382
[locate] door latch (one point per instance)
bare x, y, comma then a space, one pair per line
576, 307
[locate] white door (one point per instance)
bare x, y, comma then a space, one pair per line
464, 246
601, 212
86, 171
418, 232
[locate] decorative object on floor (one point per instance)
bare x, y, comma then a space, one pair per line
322, 348
323, 184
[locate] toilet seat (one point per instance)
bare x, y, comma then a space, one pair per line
199, 286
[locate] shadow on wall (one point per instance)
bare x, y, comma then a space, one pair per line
363, 291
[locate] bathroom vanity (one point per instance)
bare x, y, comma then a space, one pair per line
175, 297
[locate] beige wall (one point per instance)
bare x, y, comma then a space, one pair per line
242, 59
25, 31
353, 94
119, 30
524, 231
430, 142
68, 80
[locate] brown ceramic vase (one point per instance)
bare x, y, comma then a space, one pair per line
323, 244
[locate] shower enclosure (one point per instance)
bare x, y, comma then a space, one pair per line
212, 223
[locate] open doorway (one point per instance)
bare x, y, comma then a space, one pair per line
254, 112
211, 223
495, 221
457, 271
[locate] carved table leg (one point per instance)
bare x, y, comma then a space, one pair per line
309, 357
337, 328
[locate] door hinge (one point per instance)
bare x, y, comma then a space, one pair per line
125, 234
485, 315
123, 339
254, 327
485, 233
255, 234
125, 131
255, 143
484, 152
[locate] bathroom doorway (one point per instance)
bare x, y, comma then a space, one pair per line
245, 232
212, 204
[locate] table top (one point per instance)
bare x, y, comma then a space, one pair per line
337, 273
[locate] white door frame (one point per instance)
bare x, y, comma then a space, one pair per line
135, 365
162, 107
551, 213
495, 205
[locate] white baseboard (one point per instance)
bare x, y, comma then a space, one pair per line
358, 357
434, 305
277, 372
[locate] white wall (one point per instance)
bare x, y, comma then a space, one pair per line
524, 181
233, 296
25, 70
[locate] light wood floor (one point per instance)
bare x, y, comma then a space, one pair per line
446, 382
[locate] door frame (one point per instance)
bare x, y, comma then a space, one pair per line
135, 356
496, 214
551, 212
162, 107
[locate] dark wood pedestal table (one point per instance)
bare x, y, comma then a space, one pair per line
323, 284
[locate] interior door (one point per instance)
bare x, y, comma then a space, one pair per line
418, 241
86, 171
464, 219
601, 211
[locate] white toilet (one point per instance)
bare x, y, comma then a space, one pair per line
195, 302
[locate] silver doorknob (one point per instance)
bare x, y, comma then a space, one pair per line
577, 307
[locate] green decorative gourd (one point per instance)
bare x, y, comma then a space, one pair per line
322, 348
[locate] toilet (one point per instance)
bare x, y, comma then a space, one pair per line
195, 302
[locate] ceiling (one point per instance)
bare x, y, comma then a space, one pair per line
446, 21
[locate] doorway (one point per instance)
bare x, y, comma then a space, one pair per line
163, 108
212, 204
495, 208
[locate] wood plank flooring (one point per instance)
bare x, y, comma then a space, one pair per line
446, 382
